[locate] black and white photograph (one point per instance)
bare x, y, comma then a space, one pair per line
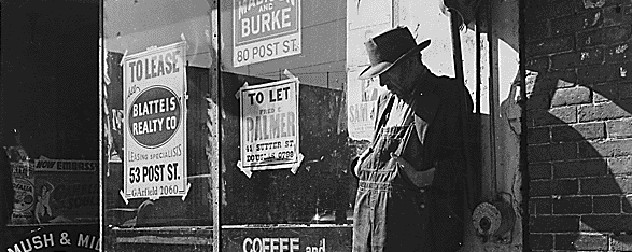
316, 125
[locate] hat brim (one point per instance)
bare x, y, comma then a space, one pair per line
383, 66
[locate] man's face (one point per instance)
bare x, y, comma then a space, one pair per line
400, 78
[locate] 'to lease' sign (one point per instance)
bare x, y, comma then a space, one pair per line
154, 116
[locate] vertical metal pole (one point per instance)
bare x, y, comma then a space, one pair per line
457, 57
102, 163
492, 94
478, 61
214, 110
470, 182
524, 164
102, 160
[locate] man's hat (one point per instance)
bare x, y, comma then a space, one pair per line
388, 48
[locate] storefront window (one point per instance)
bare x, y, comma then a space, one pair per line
48, 127
285, 144
156, 83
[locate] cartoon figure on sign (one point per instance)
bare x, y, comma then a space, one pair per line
23, 201
43, 211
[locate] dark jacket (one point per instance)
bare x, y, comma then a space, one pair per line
440, 105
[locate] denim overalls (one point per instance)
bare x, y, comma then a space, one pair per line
387, 213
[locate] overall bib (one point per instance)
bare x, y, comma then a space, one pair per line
391, 213
387, 213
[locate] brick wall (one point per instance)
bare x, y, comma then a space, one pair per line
579, 115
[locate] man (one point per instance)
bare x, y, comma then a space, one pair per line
410, 194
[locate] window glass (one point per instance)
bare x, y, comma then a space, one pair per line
48, 128
285, 147
155, 87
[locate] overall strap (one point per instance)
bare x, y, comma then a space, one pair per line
411, 128
382, 120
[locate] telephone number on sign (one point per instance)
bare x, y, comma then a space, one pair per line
282, 155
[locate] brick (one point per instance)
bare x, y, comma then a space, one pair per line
590, 130
586, 57
572, 205
564, 187
563, 151
539, 135
554, 187
581, 242
601, 74
565, 60
570, 24
610, 35
625, 91
618, 53
571, 96
536, 31
549, 45
565, 115
555, 116
625, 184
563, 7
605, 92
554, 224
619, 129
605, 185
539, 153
591, 56
557, 79
607, 204
620, 165
578, 169
602, 111
617, 15
540, 171
592, 4
605, 149
577, 132
536, 11
540, 206
541, 241
540, 188
540, 64
621, 243
606, 222
626, 204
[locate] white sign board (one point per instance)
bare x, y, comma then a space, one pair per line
154, 87
265, 30
362, 105
269, 125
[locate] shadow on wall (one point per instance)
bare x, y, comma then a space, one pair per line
580, 155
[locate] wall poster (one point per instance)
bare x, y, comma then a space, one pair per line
269, 126
154, 89
265, 30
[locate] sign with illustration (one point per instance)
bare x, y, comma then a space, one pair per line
24, 201
362, 105
265, 30
154, 117
269, 125
66, 198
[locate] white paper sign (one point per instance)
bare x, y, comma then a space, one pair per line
154, 123
269, 125
362, 98
265, 30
